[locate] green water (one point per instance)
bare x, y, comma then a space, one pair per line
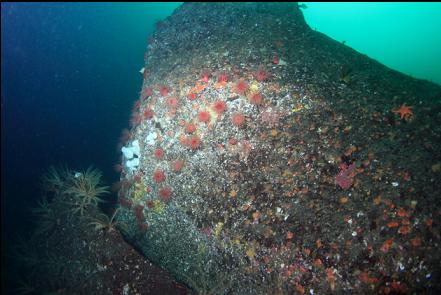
403, 36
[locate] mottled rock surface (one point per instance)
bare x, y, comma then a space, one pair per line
274, 159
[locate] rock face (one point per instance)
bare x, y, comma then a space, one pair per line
274, 159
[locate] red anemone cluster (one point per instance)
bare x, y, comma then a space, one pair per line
158, 176
219, 106
222, 78
261, 75
256, 98
165, 194
204, 116
164, 90
241, 87
238, 119
194, 142
159, 153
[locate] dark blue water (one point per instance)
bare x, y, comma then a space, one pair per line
69, 77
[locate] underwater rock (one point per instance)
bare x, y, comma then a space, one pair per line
259, 204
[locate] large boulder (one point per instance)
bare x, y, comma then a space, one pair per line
273, 159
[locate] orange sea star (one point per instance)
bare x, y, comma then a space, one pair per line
404, 111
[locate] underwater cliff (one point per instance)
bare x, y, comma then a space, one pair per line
265, 157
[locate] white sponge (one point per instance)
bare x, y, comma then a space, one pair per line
151, 137
132, 164
130, 152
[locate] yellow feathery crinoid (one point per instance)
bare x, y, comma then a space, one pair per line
103, 222
46, 216
86, 189
25, 286
25, 253
54, 179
